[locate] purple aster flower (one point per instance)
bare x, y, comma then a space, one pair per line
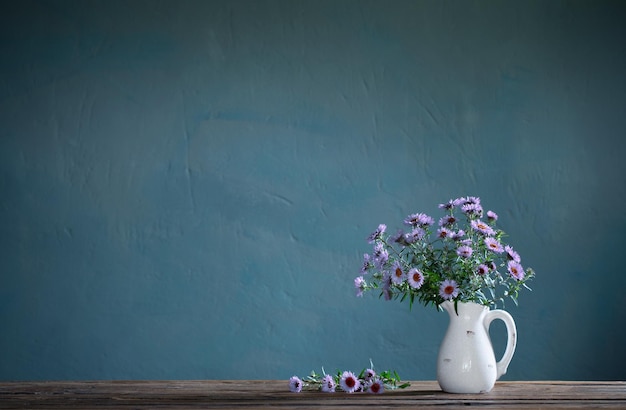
458, 201
397, 273
492, 266
378, 249
464, 251
415, 235
376, 387
381, 256
448, 205
470, 200
295, 384
399, 238
359, 284
493, 245
482, 269
328, 384
448, 289
447, 220
367, 264
419, 219
458, 235
482, 227
512, 255
416, 278
377, 233
349, 382
444, 233
515, 270
369, 375
492, 216
471, 209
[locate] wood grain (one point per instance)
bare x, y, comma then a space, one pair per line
233, 394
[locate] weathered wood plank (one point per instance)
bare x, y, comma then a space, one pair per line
221, 394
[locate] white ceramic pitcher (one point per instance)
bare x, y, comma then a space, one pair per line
466, 362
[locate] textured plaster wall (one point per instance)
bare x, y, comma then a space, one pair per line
186, 187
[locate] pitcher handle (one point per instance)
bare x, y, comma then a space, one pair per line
511, 340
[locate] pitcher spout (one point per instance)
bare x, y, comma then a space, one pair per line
448, 306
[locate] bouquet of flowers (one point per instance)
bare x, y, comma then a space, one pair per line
462, 259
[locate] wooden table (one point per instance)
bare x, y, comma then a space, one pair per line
233, 394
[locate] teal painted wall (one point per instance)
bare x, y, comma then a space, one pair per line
186, 187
